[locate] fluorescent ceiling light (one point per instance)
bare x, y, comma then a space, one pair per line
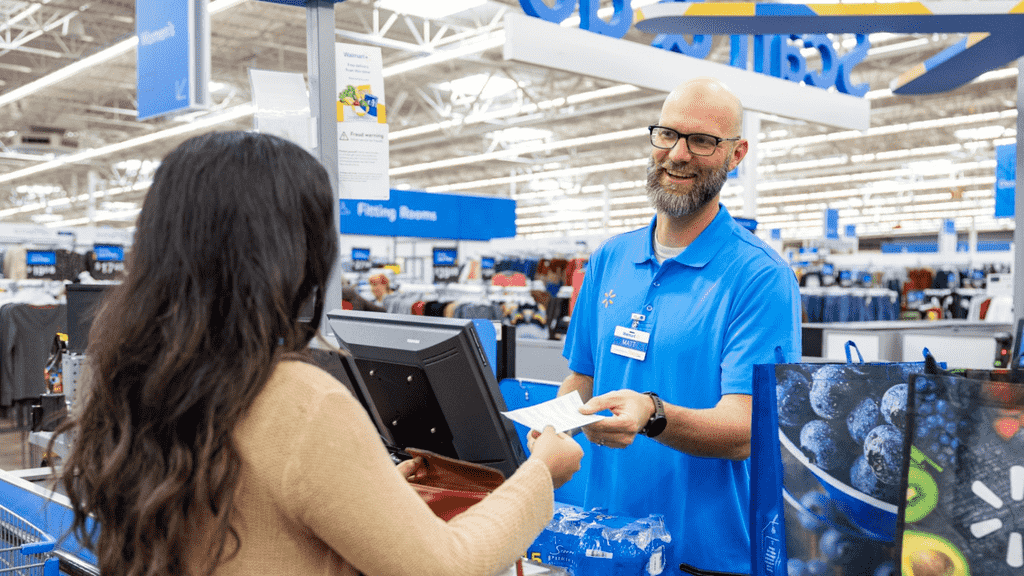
16, 68
487, 42
931, 167
430, 9
518, 134
980, 133
485, 85
513, 111
209, 121
100, 216
141, 185
37, 189
884, 130
623, 165
514, 152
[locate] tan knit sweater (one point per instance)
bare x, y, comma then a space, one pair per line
319, 495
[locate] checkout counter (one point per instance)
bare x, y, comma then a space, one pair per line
958, 343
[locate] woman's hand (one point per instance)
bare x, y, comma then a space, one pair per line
412, 470
559, 452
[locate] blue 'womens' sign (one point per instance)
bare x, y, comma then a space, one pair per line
172, 56
41, 258
1006, 180
445, 256
773, 54
108, 253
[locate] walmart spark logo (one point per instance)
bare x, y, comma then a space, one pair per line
609, 298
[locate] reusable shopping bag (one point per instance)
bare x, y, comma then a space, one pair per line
965, 484
827, 462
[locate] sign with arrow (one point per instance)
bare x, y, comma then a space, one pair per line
173, 61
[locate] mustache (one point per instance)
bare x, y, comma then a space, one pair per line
673, 166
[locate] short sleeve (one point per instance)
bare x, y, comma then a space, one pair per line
766, 317
579, 345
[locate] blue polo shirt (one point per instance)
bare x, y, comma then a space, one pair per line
721, 306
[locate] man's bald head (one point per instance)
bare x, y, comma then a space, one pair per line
713, 97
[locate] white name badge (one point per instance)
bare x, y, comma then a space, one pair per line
630, 343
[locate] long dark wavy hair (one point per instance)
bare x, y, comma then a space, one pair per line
234, 240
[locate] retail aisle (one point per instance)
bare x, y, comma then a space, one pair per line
14, 452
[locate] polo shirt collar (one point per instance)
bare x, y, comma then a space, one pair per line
702, 249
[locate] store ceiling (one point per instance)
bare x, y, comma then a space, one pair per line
925, 158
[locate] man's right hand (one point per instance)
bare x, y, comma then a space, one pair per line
630, 413
558, 451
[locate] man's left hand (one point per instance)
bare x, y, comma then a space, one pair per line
630, 412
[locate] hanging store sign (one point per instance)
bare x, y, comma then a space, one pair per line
173, 56
993, 30
425, 215
830, 220
1006, 180
540, 43
774, 55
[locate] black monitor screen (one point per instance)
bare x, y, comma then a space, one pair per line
83, 303
429, 386
1017, 358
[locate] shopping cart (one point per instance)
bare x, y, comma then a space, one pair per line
24, 549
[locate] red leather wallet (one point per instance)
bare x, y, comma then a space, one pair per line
451, 486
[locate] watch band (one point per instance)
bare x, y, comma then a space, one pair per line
657, 422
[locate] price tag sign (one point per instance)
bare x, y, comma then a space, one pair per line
41, 263
446, 265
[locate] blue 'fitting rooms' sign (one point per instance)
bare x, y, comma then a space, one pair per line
426, 215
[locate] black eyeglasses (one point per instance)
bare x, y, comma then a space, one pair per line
698, 144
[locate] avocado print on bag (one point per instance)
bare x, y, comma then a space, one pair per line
965, 486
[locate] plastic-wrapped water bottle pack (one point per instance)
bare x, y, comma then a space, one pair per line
594, 543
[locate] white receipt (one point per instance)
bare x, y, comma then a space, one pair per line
563, 413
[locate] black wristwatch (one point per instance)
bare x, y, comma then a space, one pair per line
656, 425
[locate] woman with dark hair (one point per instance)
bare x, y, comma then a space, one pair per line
204, 444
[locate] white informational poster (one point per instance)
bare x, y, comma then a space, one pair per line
362, 123
360, 84
282, 106
363, 161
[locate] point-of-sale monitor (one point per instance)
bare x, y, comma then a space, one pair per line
428, 385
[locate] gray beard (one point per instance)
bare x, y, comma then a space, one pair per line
707, 185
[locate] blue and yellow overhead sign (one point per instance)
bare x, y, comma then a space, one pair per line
995, 30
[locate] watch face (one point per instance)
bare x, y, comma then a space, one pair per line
656, 426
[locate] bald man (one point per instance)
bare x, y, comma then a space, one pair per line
669, 323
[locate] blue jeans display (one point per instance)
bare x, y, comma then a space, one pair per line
849, 304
